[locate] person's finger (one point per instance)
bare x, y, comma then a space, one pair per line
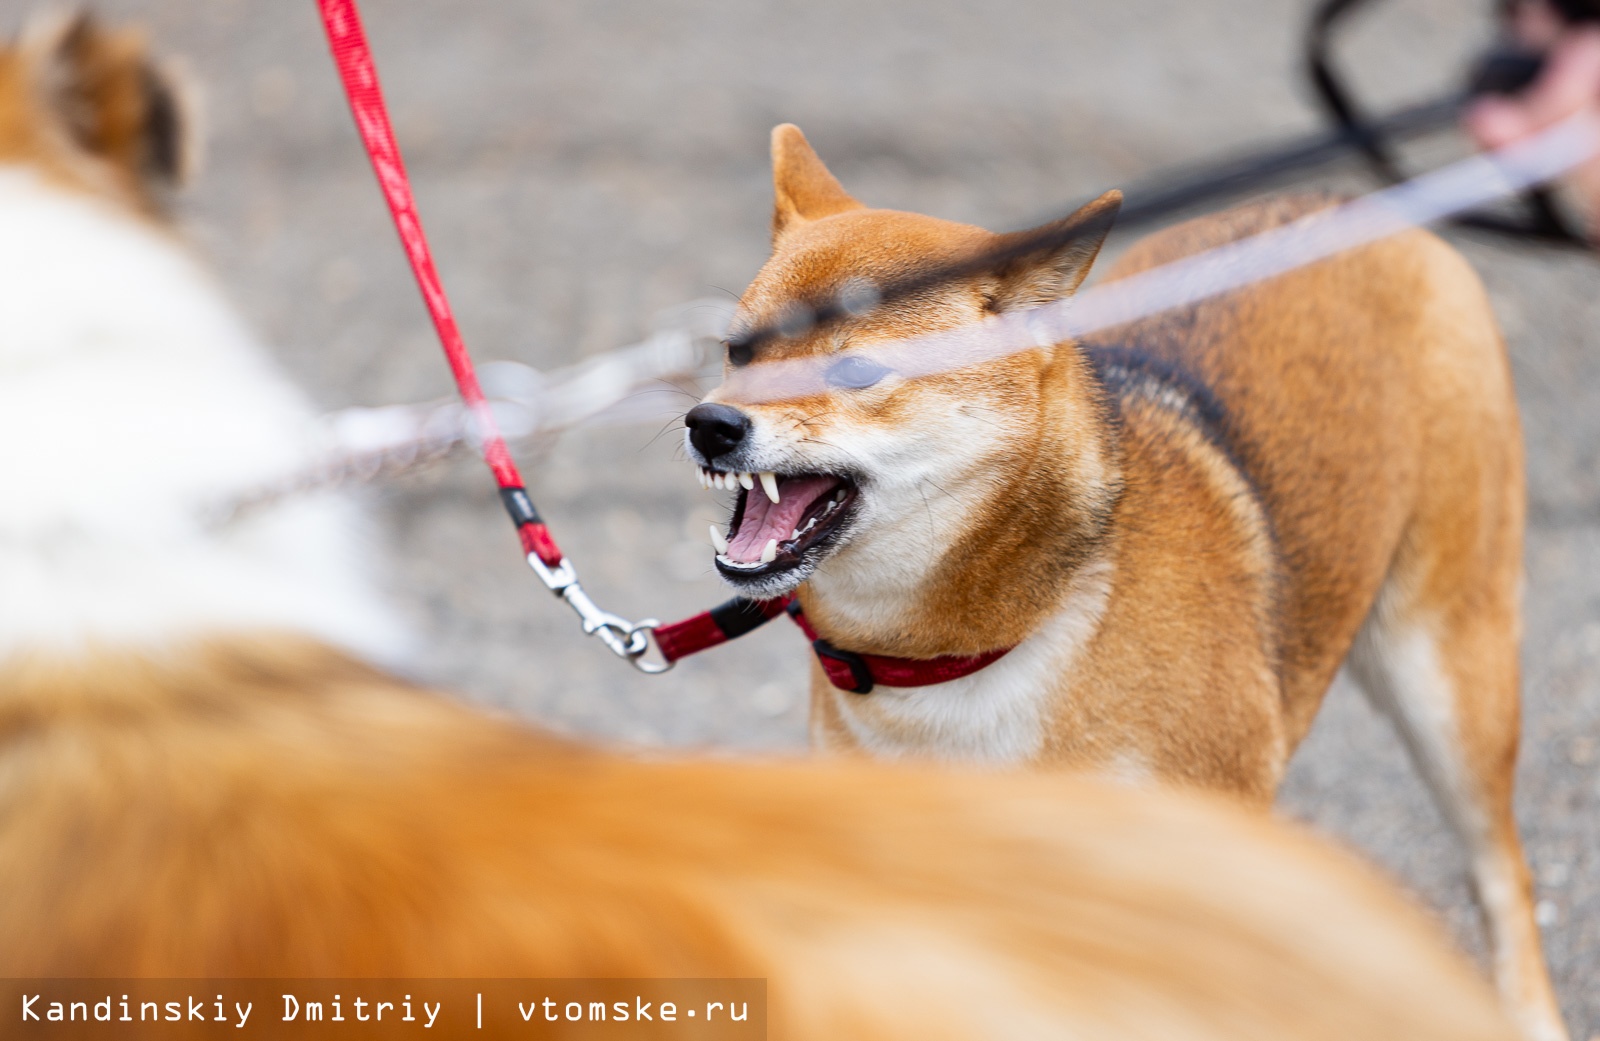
1572, 80
1497, 122
1569, 84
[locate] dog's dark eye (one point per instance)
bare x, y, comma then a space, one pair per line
854, 372
739, 352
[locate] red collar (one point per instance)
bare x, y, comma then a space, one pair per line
860, 672
845, 669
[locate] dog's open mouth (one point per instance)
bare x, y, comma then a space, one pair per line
778, 519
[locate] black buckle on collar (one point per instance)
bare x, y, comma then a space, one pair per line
856, 664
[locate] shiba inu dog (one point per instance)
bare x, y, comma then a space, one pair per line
202, 775
1159, 547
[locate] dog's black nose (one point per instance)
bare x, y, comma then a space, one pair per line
715, 429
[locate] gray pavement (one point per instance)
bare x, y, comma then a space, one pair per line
582, 166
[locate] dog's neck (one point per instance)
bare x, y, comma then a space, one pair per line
1020, 535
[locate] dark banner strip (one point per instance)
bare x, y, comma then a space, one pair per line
712, 1009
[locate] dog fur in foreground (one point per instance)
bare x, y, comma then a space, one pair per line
1181, 532
200, 776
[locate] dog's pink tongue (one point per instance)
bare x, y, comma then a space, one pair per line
765, 520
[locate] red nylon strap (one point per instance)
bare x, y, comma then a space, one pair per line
536, 539
895, 672
689, 636
702, 632
353, 57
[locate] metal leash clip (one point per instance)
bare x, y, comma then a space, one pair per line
630, 641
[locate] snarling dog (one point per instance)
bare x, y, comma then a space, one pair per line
1151, 552
202, 774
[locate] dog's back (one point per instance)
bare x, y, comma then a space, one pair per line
1361, 396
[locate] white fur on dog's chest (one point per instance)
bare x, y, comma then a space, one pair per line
131, 396
999, 714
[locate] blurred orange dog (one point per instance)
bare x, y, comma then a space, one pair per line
1172, 538
199, 776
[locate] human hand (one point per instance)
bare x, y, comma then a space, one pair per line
1569, 84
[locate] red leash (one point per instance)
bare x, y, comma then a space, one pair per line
353, 57
629, 640
360, 77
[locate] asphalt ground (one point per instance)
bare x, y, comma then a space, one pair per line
582, 167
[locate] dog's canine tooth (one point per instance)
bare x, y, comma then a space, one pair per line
719, 541
770, 553
746, 481
796, 533
769, 484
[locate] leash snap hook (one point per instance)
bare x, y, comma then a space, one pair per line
557, 579
630, 641
642, 635
627, 640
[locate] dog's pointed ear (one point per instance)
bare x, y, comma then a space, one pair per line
1049, 262
802, 188
112, 100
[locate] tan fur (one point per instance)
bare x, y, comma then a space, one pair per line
268, 807
1265, 465
89, 108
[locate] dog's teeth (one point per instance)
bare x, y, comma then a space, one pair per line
700, 475
719, 481
769, 484
838, 496
796, 533
719, 541
770, 554
746, 481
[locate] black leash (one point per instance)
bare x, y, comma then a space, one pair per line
1503, 70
